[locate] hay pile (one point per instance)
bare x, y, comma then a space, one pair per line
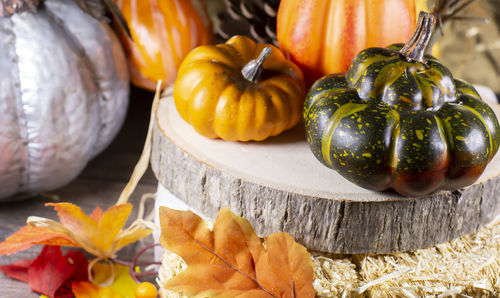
469, 266
171, 265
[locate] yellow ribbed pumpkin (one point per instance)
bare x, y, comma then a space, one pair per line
239, 90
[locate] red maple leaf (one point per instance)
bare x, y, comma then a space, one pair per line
50, 273
80, 263
18, 270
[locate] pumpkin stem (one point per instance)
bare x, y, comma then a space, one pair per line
415, 48
253, 69
10, 7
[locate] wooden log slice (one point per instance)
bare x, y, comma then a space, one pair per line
279, 186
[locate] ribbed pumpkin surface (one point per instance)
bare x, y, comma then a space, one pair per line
391, 123
163, 33
219, 102
323, 36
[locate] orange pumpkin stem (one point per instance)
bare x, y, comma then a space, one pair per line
415, 48
253, 69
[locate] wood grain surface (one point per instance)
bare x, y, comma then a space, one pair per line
279, 186
99, 184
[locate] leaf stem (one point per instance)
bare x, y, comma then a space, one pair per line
128, 264
134, 263
139, 274
122, 262
148, 263
131, 268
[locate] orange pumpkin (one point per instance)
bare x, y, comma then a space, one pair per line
323, 36
163, 32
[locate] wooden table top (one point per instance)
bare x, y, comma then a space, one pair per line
99, 184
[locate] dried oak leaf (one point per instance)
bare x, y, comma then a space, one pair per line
100, 234
231, 260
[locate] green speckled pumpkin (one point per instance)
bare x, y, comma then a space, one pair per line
397, 119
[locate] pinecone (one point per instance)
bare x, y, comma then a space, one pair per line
95, 8
100, 8
253, 18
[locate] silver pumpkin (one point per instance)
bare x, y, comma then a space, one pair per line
64, 90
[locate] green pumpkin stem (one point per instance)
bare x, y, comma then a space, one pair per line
253, 69
415, 48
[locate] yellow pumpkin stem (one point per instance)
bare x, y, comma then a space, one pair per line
415, 48
253, 69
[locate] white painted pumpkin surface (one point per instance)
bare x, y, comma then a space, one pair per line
64, 90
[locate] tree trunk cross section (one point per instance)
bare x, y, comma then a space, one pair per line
279, 186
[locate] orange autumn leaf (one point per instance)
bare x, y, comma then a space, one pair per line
96, 214
231, 260
28, 236
101, 233
85, 289
282, 273
98, 230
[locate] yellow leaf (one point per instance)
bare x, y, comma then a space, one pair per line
112, 221
85, 289
74, 219
131, 235
96, 214
123, 282
231, 260
101, 232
